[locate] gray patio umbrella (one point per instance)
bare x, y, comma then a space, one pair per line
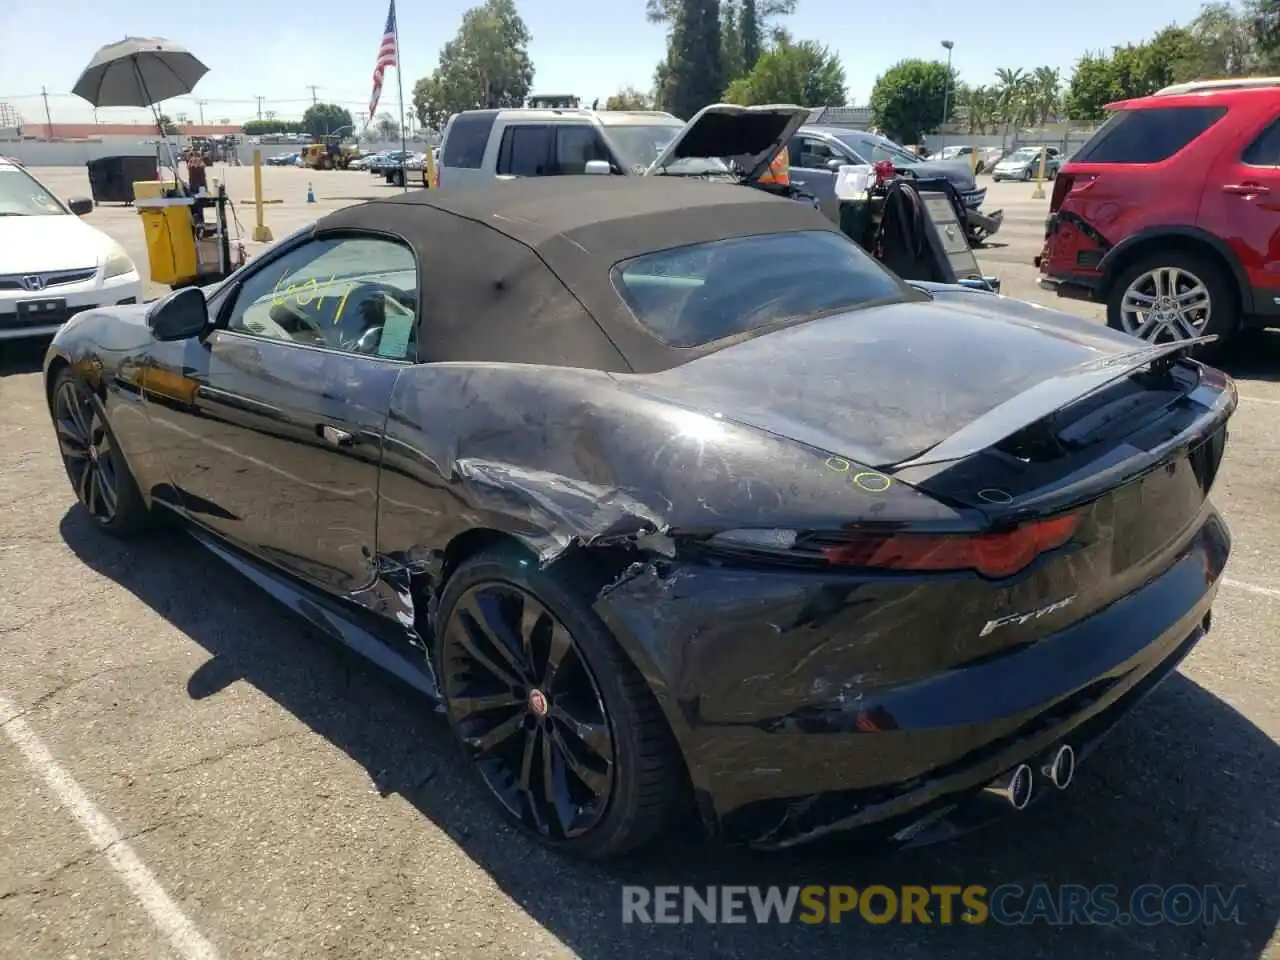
139, 72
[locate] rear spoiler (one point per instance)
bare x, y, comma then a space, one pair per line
1045, 398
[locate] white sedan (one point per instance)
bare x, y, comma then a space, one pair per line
52, 264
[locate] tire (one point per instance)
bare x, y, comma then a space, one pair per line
99, 475
595, 682
1026, 175
1223, 299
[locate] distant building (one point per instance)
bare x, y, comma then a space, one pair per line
855, 118
95, 131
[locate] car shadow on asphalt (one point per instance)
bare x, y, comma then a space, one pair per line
1254, 356
22, 356
1182, 793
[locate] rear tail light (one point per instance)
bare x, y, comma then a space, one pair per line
994, 555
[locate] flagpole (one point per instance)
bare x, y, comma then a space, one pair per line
404, 176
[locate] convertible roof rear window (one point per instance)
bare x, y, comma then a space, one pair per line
693, 295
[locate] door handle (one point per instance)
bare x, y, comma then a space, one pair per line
334, 435
1246, 189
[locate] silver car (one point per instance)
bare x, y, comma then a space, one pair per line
1024, 164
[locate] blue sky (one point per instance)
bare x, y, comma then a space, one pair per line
277, 48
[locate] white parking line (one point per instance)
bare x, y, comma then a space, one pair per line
1251, 588
1274, 403
105, 837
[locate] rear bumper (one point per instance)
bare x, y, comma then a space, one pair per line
1071, 287
902, 763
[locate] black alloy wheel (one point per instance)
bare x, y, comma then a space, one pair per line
98, 472
528, 710
86, 448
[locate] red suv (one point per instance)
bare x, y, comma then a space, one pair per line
1170, 214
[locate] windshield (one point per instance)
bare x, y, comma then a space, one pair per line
872, 148
1025, 153
692, 295
22, 196
638, 145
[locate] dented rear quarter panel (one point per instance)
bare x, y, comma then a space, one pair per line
564, 460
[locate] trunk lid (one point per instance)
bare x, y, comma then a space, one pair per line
884, 384
745, 138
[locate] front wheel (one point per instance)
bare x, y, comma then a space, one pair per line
1172, 295
97, 470
561, 728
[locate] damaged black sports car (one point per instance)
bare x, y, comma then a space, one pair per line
677, 500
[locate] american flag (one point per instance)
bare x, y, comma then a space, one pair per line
386, 58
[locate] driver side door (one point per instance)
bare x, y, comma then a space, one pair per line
811, 171
280, 445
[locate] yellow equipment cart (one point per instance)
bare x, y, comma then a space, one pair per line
184, 249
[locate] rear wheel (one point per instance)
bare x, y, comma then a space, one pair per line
563, 731
97, 470
1173, 295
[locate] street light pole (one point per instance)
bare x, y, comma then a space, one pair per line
946, 99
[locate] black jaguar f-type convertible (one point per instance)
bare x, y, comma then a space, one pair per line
677, 500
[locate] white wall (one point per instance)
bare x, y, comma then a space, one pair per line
39, 153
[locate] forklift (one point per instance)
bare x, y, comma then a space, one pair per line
328, 154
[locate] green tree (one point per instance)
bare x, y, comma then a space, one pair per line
428, 104
168, 126
752, 35
485, 65
1264, 24
1044, 95
696, 72
1093, 85
1226, 43
324, 118
908, 99
804, 73
262, 128
629, 98
981, 106
387, 127
731, 41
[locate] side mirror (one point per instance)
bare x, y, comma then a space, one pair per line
835, 164
80, 206
598, 168
179, 316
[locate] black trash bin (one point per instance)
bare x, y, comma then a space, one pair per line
111, 179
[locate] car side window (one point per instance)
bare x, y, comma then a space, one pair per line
465, 140
816, 154
354, 294
575, 146
1265, 149
524, 151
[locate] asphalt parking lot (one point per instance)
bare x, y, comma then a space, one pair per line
188, 772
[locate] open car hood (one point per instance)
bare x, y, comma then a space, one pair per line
748, 138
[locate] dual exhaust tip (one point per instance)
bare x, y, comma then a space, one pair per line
1016, 786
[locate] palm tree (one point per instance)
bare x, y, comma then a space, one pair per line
1046, 92
1012, 85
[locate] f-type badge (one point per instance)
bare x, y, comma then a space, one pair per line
1020, 618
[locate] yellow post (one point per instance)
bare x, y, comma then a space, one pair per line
973, 167
1038, 194
261, 233
430, 168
